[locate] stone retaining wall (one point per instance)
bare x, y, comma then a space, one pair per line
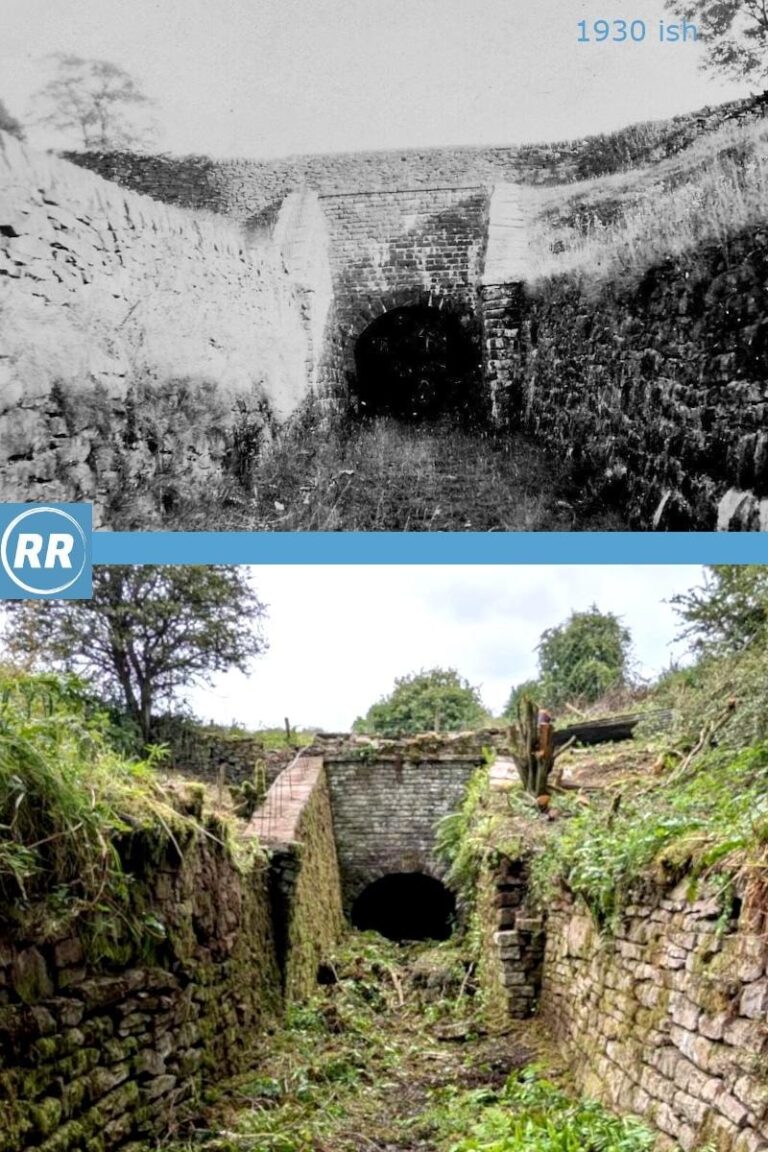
98, 1053
512, 955
134, 336
654, 393
105, 1043
667, 1017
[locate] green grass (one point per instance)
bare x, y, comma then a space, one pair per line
530, 1114
710, 823
66, 797
361, 1068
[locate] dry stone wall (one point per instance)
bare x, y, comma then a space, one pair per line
96, 1054
247, 188
666, 1018
102, 1048
655, 393
133, 335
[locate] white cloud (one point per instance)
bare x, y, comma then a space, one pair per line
339, 635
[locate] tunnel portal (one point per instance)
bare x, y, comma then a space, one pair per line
406, 906
416, 363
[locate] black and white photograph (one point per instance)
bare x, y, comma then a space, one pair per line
427, 266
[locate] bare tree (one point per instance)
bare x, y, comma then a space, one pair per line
97, 100
9, 123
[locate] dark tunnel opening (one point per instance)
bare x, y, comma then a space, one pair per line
417, 364
406, 906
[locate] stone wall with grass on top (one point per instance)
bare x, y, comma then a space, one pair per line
108, 1040
246, 188
666, 1016
654, 391
138, 339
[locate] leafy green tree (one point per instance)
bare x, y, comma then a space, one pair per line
9, 123
734, 32
528, 688
438, 700
95, 99
583, 658
729, 612
149, 632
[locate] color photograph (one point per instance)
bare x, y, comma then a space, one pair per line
480, 870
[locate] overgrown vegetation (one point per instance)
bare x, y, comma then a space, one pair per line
531, 1114
388, 1057
616, 227
382, 475
711, 823
66, 798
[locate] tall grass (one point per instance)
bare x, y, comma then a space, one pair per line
386, 476
66, 796
616, 227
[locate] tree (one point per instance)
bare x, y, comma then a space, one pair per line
583, 658
9, 123
734, 32
729, 612
95, 99
149, 631
528, 689
437, 700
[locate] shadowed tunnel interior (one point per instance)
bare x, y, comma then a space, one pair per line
416, 363
406, 906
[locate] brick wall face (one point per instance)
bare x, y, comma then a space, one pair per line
667, 1018
384, 816
398, 249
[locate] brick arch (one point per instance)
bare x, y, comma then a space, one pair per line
417, 360
398, 249
406, 906
363, 876
385, 815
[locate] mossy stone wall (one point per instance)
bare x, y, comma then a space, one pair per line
100, 1051
666, 1018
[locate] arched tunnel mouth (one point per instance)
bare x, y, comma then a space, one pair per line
406, 906
418, 363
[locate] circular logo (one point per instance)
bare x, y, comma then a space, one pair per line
43, 551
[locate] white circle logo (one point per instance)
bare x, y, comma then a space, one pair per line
46, 545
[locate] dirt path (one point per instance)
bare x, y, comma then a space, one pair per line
367, 1065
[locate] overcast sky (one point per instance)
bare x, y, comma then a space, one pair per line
340, 635
274, 77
